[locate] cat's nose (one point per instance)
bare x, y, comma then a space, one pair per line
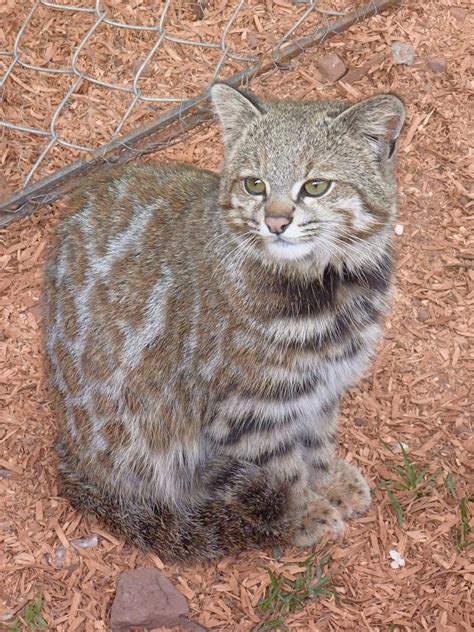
277, 225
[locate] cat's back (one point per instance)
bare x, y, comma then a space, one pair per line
129, 227
132, 201
118, 269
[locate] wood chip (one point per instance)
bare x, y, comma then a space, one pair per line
417, 391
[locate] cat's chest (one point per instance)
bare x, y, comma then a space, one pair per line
336, 294
282, 298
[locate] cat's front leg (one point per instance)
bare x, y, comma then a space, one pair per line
309, 516
341, 483
346, 489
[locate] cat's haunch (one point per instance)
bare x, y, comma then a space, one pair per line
201, 329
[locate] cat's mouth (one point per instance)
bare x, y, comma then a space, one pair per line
281, 240
282, 247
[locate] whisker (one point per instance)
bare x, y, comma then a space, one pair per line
244, 242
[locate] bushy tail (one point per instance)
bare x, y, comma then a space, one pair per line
239, 510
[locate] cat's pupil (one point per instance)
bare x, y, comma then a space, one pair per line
254, 186
316, 188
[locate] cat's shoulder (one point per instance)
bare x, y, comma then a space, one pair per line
116, 194
139, 181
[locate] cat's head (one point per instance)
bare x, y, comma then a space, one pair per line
309, 183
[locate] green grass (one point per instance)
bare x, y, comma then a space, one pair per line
31, 617
463, 536
450, 484
409, 479
393, 500
414, 480
285, 596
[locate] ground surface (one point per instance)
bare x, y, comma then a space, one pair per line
417, 391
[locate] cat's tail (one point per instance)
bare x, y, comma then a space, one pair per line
240, 509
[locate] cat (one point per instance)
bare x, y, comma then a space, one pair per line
201, 329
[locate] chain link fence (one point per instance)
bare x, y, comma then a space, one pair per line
96, 81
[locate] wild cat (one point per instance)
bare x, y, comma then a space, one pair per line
202, 328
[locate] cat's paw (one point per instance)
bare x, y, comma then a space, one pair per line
317, 520
347, 490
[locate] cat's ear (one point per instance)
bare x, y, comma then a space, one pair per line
378, 120
235, 110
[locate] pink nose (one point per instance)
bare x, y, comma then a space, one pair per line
277, 225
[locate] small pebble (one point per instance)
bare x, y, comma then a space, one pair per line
398, 229
423, 314
437, 64
458, 13
331, 67
146, 72
402, 53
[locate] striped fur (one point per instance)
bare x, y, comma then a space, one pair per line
197, 365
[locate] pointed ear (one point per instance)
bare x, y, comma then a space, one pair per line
235, 110
378, 121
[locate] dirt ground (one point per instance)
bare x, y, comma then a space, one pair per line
416, 393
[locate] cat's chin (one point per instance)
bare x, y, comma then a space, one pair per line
286, 251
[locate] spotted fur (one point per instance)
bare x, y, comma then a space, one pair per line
197, 358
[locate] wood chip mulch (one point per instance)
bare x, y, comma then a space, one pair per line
417, 392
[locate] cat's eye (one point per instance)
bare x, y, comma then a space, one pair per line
254, 186
316, 188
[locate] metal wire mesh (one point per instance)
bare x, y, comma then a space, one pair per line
220, 59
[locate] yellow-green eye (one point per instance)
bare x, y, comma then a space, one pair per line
316, 188
254, 186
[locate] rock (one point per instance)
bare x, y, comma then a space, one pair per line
146, 598
146, 72
398, 230
198, 8
402, 53
423, 314
331, 67
459, 13
437, 64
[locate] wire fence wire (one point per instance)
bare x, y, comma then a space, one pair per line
34, 192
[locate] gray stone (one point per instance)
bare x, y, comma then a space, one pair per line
402, 53
146, 598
